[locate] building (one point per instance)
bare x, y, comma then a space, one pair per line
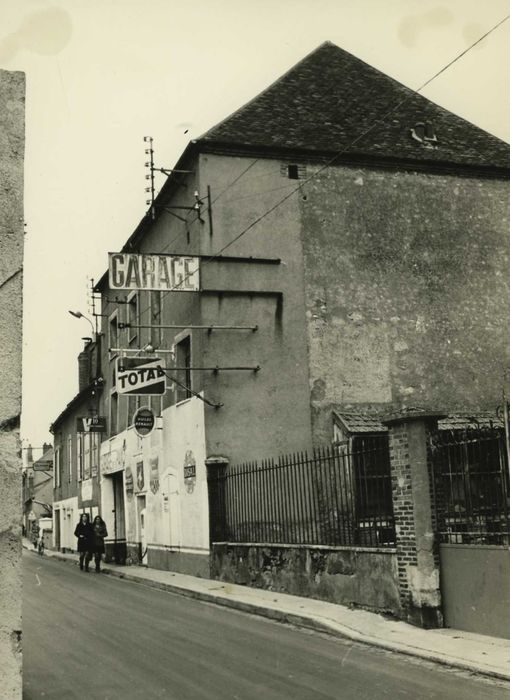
352, 252
76, 452
37, 486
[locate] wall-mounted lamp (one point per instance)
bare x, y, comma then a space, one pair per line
78, 314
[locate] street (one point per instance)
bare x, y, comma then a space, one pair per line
90, 635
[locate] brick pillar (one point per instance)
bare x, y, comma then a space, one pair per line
417, 552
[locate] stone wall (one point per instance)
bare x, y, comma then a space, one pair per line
364, 577
407, 292
12, 140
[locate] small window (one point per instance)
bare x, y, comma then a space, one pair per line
183, 363
293, 171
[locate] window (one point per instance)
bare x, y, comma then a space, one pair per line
94, 453
57, 467
114, 413
79, 454
70, 456
155, 307
113, 335
293, 171
183, 374
132, 307
86, 455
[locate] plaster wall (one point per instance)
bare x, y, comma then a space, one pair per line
267, 412
406, 290
176, 508
475, 588
362, 577
12, 145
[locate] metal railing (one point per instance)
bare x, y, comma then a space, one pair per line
338, 495
471, 487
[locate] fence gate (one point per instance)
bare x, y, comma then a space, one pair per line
472, 499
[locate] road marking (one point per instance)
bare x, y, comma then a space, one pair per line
38, 580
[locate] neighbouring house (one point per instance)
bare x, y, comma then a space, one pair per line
76, 453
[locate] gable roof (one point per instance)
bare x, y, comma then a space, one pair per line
330, 98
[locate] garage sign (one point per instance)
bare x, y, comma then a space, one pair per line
167, 273
138, 375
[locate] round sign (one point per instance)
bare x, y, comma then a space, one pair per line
143, 421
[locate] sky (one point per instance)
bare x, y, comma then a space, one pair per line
101, 74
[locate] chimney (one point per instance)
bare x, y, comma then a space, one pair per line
84, 370
30, 456
46, 446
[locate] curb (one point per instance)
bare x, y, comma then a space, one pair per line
332, 629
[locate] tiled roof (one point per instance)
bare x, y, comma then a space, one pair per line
355, 422
330, 98
360, 423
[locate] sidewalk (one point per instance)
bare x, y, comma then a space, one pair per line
489, 656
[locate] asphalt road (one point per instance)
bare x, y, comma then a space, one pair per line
95, 636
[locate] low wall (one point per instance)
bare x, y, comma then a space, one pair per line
366, 577
475, 584
182, 562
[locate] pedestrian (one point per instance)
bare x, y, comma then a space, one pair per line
35, 533
83, 532
99, 533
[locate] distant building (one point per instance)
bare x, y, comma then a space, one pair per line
37, 486
379, 283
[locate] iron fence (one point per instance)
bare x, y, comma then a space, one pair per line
338, 495
472, 487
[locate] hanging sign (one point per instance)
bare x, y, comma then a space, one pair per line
139, 375
92, 424
167, 273
143, 421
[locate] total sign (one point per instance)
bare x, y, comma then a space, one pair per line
140, 376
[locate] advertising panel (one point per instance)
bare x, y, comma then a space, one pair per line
140, 376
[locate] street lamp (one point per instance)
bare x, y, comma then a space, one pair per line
78, 314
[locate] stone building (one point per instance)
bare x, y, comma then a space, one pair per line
354, 234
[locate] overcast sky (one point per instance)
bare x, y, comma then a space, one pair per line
101, 74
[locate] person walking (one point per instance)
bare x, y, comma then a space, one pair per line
99, 532
83, 532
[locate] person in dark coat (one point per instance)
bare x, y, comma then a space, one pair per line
84, 532
98, 535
